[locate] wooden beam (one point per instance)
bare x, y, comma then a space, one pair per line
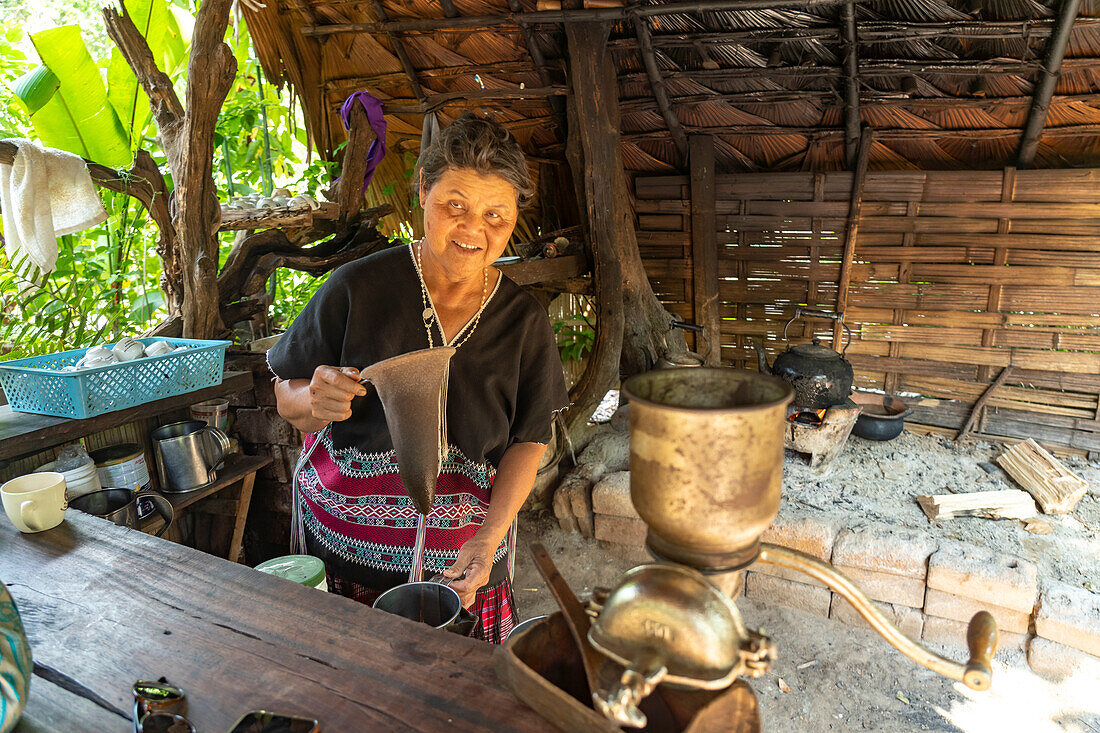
704, 244
657, 84
468, 98
593, 15
533, 272
851, 85
1049, 73
851, 230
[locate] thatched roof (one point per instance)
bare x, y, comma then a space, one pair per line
945, 83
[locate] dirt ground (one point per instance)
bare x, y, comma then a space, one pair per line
847, 679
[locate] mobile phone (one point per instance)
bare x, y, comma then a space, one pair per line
263, 721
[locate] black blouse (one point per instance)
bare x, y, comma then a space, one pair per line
506, 379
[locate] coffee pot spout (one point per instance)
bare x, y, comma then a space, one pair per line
761, 357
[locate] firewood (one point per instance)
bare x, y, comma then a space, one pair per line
1055, 488
1007, 504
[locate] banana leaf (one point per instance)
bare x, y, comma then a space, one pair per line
78, 118
158, 26
35, 88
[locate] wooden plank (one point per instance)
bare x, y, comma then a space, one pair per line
52, 708
704, 246
22, 433
105, 606
1084, 363
1051, 300
237, 467
1061, 277
531, 272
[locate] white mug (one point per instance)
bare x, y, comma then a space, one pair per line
157, 348
35, 502
127, 349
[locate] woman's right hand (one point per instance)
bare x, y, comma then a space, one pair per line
331, 391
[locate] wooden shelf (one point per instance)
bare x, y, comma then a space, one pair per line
237, 467
272, 217
24, 433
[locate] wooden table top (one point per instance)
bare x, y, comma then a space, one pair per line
105, 606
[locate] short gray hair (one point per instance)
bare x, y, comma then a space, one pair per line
475, 143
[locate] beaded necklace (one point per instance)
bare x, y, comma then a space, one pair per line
429, 313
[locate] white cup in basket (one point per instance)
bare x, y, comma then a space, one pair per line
158, 347
97, 356
127, 349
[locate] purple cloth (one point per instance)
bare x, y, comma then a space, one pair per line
377, 149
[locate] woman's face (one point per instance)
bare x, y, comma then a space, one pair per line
468, 218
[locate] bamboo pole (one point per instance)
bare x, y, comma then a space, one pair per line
657, 84
594, 15
1044, 89
851, 86
869, 32
980, 404
399, 50
881, 133
851, 231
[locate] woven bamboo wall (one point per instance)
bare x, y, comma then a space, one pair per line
956, 275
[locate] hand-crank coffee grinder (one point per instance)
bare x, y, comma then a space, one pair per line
706, 470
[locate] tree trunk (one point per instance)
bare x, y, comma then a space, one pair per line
632, 324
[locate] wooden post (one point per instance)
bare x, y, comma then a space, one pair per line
1044, 88
704, 244
360, 136
852, 229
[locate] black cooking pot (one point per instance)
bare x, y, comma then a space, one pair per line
820, 377
882, 417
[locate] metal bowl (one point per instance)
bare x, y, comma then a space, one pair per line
673, 610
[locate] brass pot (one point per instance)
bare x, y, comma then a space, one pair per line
706, 461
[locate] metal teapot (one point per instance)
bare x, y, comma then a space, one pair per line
820, 376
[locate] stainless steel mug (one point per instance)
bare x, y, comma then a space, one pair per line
188, 454
120, 506
428, 602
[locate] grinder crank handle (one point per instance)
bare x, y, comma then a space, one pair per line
981, 638
981, 635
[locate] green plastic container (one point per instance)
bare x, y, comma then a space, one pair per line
304, 569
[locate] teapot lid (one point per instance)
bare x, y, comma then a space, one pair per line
816, 351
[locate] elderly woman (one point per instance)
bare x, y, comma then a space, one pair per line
506, 383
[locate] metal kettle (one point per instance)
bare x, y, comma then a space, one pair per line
820, 376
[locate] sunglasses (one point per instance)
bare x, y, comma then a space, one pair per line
153, 703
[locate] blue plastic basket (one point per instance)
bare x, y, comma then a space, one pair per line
37, 384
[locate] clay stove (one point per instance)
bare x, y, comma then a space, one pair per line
821, 433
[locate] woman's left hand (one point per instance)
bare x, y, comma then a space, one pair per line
475, 559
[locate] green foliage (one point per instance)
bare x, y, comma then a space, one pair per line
77, 117
158, 25
576, 335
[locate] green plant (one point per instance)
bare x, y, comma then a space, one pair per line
576, 334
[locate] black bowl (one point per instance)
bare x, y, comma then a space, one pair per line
882, 418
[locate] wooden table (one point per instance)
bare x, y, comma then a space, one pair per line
105, 606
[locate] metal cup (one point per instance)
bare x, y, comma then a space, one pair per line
430, 603
120, 506
188, 454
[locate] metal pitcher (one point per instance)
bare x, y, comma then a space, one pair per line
121, 506
188, 454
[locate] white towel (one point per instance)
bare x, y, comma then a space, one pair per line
45, 193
